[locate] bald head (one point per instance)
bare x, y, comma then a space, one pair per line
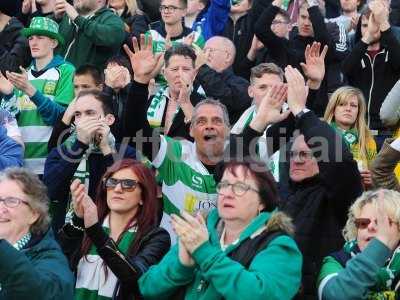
220, 53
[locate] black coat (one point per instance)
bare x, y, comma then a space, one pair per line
376, 76
241, 32
154, 244
319, 205
230, 89
14, 49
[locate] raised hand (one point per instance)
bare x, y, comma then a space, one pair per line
69, 113
6, 87
380, 11
297, 90
60, 8
387, 229
189, 39
142, 59
21, 82
256, 45
373, 31
116, 77
77, 188
86, 130
270, 109
314, 67
192, 231
84, 206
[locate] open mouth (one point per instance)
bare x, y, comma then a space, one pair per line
210, 137
2, 220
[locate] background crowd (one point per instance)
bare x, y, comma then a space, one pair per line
199, 149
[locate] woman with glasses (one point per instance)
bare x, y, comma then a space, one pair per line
243, 250
113, 240
32, 265
346, 112
368, 266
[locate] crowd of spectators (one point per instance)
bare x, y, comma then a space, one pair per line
199, 149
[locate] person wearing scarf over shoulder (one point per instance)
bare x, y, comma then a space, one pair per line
114, 239
345, 112
368, 265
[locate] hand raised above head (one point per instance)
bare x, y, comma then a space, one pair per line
297, 90
142, 59
314, 66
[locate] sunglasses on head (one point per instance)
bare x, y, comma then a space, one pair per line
128, 185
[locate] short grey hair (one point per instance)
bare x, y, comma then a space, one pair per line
36, 193
211, 101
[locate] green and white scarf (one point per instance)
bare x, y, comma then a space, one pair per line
157, 107
350, 136
82, 172
91, 281
387, 277
244, 121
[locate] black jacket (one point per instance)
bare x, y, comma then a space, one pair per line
291, 52
319, 205
127, 268
14, 49
230, 89
376, 76
60, 167
241, 32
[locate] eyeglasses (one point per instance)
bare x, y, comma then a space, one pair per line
169, 8
277, 22
128, 185
362, 223
238, 188
12, 202
302, 155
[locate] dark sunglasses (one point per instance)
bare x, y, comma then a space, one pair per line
362, 223
128, 185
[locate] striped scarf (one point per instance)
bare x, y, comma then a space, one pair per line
95, 280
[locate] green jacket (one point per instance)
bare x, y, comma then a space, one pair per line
91, 40
38, 272
359, 276
274, 273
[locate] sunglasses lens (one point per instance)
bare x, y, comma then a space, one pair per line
362, 223
128, 184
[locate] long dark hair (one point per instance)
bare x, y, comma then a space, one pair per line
147, 214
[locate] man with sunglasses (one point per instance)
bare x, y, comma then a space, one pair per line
86, 153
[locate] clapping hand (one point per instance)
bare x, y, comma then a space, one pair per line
314, 67
270, 109
84, 206
192, 231
297, 90
21, 82
142, 59
6, 87
380, 12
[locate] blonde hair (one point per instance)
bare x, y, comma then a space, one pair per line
390, 204
132, 6
342, 95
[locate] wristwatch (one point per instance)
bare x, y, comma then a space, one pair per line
301, 113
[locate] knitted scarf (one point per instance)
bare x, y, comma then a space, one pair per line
82, 172
157, 107
95, 280
387, 277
